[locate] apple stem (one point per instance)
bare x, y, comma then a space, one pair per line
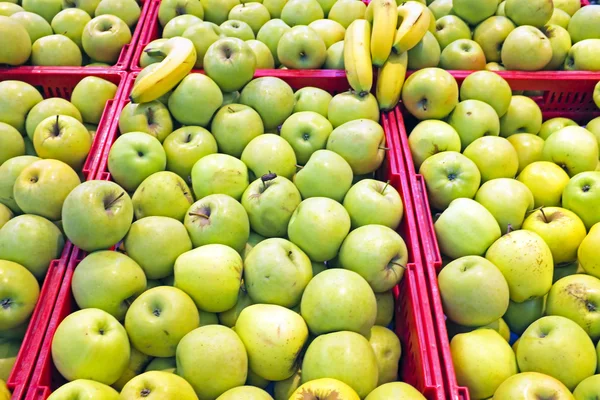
384, 148
544, 214
385, 187
509, 229
193, 214
299, 166
113, 201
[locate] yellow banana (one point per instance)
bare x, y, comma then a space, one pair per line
390, 80
357, 56
385, 18
180, 57
414, 19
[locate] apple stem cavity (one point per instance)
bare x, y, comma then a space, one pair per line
6, 303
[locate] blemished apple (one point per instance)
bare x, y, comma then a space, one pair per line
578, 58
526, 48
573, 148
425, 54
450, 28
554, 125
202, 36
90, 96
35, 25
307, 132
387, 349
335, 56
187, 108
15, 113
219, 174
270, 34
326, 174
20, 292
31, 241
463, 54
394, 390
561, 44
361, 143
301, 12
103, 347
170, 9
178, 25
152, 118
508, 200
346, 11
269, 153
85, 389
321, 387
546, 181
374, 202
96, 215
580, 195
104, 37
231, 63
488, 87
532, 384
159, 385
272, 98
253, 13
523, 116
50, 107
185, 146
127, 10
582, 24
312, 99
264, 58
430, 93
162, 194
92, 290
491, 34
301, 48
349, 106
529, 148
586, 254
9, 172
494, 156
431, 137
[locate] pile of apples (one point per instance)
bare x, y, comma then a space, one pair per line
43, 144
519, 226
65, 32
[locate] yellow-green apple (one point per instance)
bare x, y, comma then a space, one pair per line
127, 10
583, 24
354, 307
473, 11
494, 156
330, 31
14, 113
594, 125
269, 153
218, 219
386, 347
346, 11
473, 290
31, 241
276, 6
573, 148
508, 200
41, 188
462, 54
162, 194
71, 22
482, 361
96, 215
526, 48
561, 229
84, 389
449, 175
16, 44
560, 18
90, 96
272, 98
440, 8
596, 95
217, 11
553, 125
8, 8
312, 99
523, 116
530, 12
561, 44
20, 291
588, 388
234, 126
349, 106
91, 289
385, 308
431, 137
361, 143
213, 360
185, 146
5, 215
229, 317
271, 33
231, 63
46, 8
158, 385
529, 148
187, 108
523, 256
425, 54
104, 37
170, 9
89, 6
9, 350
301, 48
335, 56
474, 119
473, 88
519, 316
569, 6
288, 268
246, 392
558, 347
449, 29
91, 344
498, 325
430, 93
178, 25
528, 385
219, 174
152, 118
587, 252
323, 387
270, 202
346, 356
134, 157
394, 390
326, 174
253, 13
264, 58
374, 202
306, 132
11, 143
580, 56
237, 29
382, 257
50, 107
166, 364
491, 34
546, 181
9, 172
273, 337
35, 25
580, 195
202, 35
302, 12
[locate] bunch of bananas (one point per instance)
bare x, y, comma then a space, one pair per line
383, 39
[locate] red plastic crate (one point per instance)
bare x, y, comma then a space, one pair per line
568, 96
125, 57
420, 364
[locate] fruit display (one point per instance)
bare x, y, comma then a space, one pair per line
70, 33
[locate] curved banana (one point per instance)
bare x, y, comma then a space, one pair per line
357, 56
414, 19
385, 18
180, 57
390, 81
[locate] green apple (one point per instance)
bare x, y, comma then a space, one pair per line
560, 18
553, 125
430, 93
166, 364
246, 392
158, 385
185, 146
41, 188
450, 28
335, 56
20, 291
466, 228
523, 116
270, 203
170, 9
588, 388
347, 11
523, 256
9, 172
326, 174
569, 6
285, 389
91, 289
231, 63
35, 25
152, 118
178, 25
494, 156
276, 6
474, 119
306, 132
578, 58
349, 106
323, 387
573, 148
231, 98
253, 13
565, 270
531, 12
213, 360
532, 385
463, 54
91, 344
474, 11
46, 8
89, 6
580, 195
84, 389
529, 148
312, 99
14, 113
187, 108
491, 34
431, 137
520, 315
301, 47
90, 97
583, 24
508, 200
163, 193
361, 143
394, 390
385, 308
50, 107
5, 215
104, 37
31, 241
269, 153
561, 44
345, 356
12, 143
234, 126
526, 48
302, 12
217, 11
9, 350
96, 215
374, 202
449, 175
202, 35
554, 338
440, 8
264, 58
546, 181
596, 97
329, 30
425, 54
272, 98
387, 349
219, 174
229, 317
7, 9
586, 254
127, 10
237, 29
594, 125
498, 326
271, 33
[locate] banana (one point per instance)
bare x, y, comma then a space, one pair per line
385, 18
390, 80
180, 57
357, 56
414, 19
